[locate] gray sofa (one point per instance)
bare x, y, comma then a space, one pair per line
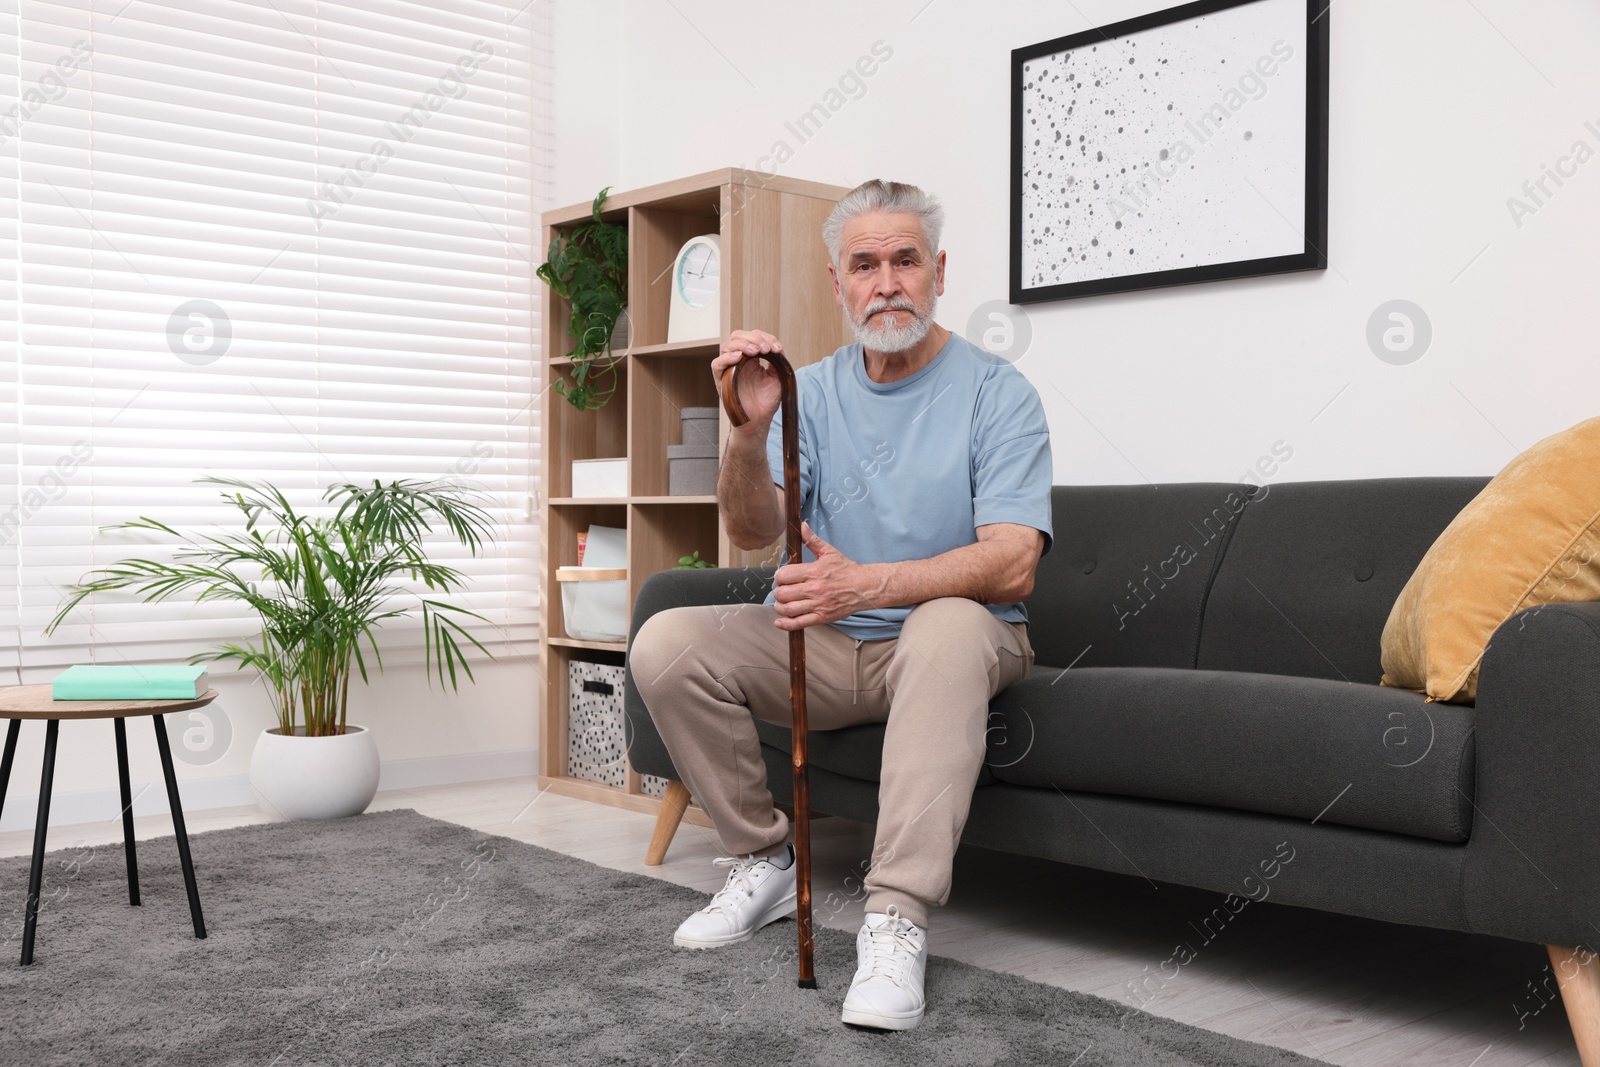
1206, 691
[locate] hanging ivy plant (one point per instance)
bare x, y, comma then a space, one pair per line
588, 267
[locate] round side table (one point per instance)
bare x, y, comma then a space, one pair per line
20, 702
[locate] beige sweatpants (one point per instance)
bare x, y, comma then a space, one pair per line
704, 671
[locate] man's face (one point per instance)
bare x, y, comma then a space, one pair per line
887, 280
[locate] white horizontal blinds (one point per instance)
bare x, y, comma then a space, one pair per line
52, 319
9, 502
284, 241
423, 236
542, 16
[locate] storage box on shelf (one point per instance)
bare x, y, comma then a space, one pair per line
692, 463
594, 595
594, 601
596, 742
599, 478
563, 523
774, 278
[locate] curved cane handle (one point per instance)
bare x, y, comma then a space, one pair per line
730, 384
730, 394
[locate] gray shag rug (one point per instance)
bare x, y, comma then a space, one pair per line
392, 938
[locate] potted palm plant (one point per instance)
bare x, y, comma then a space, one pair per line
320, 586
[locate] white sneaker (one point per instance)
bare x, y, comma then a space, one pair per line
757, 892
886, 993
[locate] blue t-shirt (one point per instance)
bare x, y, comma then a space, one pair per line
909, 469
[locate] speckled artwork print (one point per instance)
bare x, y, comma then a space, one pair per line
1179, 146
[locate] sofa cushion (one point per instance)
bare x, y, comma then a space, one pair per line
1125, 581
1531, 537
1356, 755
855, 751
1313, 568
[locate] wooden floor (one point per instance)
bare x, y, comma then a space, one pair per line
1345, 990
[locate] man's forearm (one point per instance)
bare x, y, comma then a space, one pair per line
745, 492
990, 572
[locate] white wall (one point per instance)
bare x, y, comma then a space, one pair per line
1439, 114
587, 94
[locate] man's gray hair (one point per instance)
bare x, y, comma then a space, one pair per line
895, 198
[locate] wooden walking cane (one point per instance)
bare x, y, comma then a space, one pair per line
797, 638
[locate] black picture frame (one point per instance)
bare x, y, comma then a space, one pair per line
1314, 226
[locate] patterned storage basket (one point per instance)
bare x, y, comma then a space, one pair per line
597, 747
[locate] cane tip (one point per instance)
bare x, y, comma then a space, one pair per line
808, 983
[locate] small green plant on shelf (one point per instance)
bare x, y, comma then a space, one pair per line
588, 267
692, 561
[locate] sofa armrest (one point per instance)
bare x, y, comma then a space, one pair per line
1532, 868
693, 586
677, 589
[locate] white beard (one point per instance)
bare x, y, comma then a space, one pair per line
893, 338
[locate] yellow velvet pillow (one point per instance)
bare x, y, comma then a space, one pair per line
1531, 537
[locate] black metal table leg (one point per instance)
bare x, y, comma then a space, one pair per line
36, 873
127, 812
6, 760
177, 824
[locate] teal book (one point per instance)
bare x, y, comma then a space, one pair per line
145, 682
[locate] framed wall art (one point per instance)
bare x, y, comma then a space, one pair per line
1187, 145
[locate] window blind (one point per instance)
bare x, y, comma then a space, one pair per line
286, 240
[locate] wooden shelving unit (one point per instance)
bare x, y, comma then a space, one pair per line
774, 278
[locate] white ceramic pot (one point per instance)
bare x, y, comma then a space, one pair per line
300, 777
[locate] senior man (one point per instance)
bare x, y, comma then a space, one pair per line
925, 490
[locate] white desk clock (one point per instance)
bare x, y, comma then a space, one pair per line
696, 305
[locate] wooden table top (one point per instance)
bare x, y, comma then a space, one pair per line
34, 702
